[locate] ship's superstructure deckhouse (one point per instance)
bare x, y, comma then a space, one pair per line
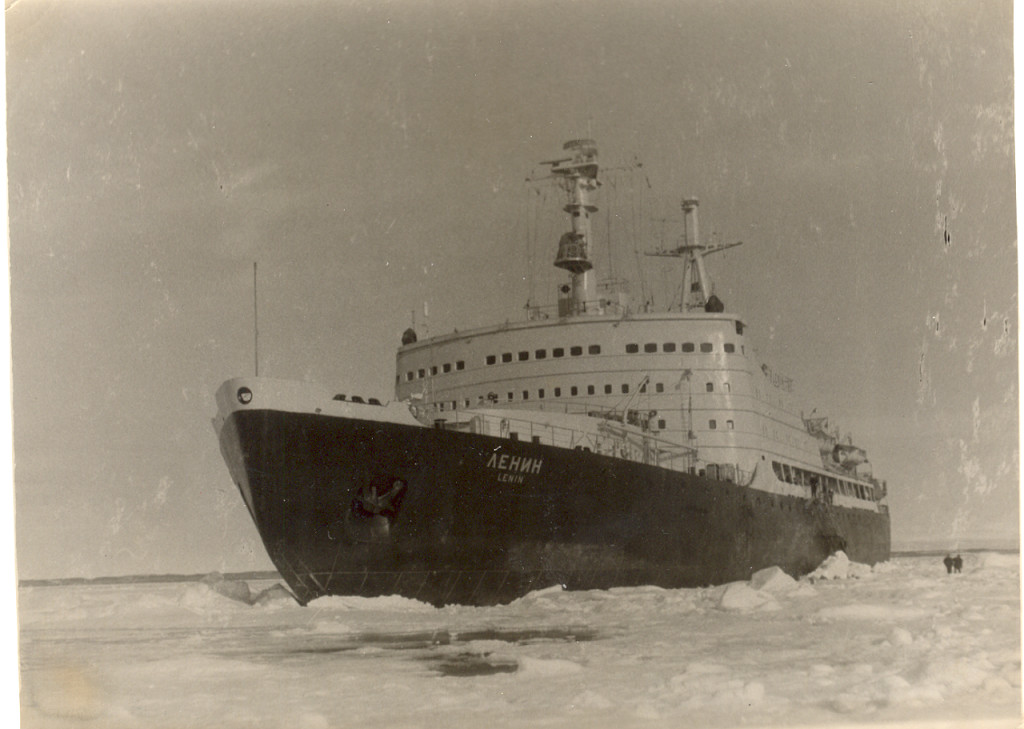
686, 386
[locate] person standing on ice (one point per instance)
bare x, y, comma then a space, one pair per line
948, 561
958, 564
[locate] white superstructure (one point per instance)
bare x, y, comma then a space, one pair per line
688, 378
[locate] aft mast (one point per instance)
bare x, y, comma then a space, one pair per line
578, 176
697, 289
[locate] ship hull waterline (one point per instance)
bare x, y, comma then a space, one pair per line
480, 520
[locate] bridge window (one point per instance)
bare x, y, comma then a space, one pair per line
688, 346
558, 392
661, 425
625, 388
668, 347
729, 425
491, 359
409, 376
421, 374
710, 386
540, 393
590, 389
575, 351
433, 370
739, 327
607, 389
594, 349
523, 356
705, 346
632, 348
460, 365
659, 387
713, 424
506, 356
540, 354
574, 391
447, 367
651, 347
526, 394
730, 347
557, 352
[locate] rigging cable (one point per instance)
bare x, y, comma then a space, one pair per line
637, 235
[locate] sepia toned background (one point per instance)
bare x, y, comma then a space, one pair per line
371, 158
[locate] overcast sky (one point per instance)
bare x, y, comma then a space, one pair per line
372, 157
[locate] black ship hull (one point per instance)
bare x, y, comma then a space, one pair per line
350, 506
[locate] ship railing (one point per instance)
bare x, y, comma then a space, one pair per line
730, 472
600, 307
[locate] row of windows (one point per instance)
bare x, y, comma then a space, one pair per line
575, 351
557, 352
421, 373
800, 477
574, 391
705, 347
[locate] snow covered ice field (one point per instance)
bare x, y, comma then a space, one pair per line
902, 643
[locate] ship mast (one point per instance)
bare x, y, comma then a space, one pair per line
697, 290
577, 174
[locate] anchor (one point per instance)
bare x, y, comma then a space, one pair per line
374, 509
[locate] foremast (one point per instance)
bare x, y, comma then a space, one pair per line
577, 174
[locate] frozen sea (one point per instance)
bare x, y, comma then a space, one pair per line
901, 644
